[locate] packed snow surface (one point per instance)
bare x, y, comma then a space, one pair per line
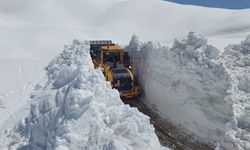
77, 109
192, 85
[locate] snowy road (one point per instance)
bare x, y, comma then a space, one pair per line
169, 134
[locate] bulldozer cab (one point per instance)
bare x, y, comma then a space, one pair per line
115, 65
95, 48
111, 54
104, 51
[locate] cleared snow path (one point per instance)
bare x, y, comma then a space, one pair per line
169, 134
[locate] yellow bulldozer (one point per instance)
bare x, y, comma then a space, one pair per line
115, 66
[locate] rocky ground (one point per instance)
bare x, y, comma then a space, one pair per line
169, 134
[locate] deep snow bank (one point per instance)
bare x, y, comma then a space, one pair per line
78, 109
193, 86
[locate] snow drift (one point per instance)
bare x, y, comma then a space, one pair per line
195, 87
78, 109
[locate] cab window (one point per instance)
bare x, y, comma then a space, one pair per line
111, 57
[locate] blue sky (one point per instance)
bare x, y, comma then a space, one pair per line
227, 4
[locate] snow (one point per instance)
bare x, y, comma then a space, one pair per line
36, 30
77, 109
17, 81
196, 88
31, 34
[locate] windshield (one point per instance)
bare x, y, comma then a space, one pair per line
111, 57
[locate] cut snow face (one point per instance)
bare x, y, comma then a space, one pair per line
195, 87
78, 109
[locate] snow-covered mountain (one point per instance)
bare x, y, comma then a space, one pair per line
37, 29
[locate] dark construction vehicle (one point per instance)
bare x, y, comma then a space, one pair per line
115, 66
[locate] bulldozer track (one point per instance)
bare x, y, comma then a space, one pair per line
169, 134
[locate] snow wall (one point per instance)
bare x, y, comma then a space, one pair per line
195, 87
78, 109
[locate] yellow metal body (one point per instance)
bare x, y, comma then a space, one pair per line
134, 92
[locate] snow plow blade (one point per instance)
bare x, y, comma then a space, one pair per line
131, 94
